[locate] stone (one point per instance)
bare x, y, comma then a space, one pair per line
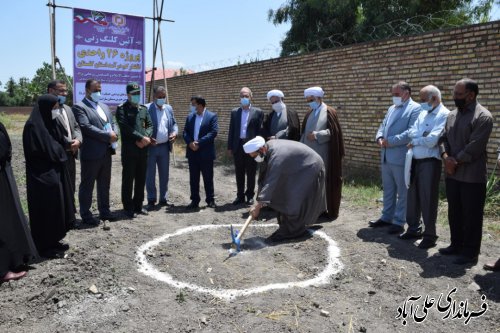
324, 313
93, 289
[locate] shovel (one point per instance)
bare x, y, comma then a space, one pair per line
236, 236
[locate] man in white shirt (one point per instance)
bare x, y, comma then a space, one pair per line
164, 134
423, 193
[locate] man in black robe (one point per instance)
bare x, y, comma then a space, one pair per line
49, 189
16, 245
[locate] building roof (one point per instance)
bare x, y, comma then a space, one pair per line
168, 73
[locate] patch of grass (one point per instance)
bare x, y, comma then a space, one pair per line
5, 120
180, 297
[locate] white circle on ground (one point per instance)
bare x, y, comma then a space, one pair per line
332, 267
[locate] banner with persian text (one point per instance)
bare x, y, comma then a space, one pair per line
109, 48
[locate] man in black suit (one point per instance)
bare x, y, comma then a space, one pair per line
199, 134
99, 143
66, 120
245, 124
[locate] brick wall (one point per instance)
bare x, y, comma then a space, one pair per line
357, 81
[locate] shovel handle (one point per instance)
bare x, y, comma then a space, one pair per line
240, 234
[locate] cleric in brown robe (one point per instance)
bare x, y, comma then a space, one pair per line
49, 190
321, 131
291, 181
16, 245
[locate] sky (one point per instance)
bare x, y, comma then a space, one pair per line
206, 34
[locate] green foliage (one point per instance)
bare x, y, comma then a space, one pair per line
180, 297
5, 120
321, 24
492, 204
25, 92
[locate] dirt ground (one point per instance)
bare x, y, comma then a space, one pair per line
102, 283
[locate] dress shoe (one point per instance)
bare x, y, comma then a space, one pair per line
426, 243
395, 229
192, 205
108, 217
211, 204
13, 276
411, 235
465, 260
378, 223
494, 267
91, 221
164, 203
450, 250
238, 201
130, 214
150, 206
143, 211
249, 201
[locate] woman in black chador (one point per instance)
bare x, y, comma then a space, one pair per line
50, 206
16, 245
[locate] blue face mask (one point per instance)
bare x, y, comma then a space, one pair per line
160, 101
96, 96
192, 108
426, 106
313, 105
245, 101
62, 99
135, 99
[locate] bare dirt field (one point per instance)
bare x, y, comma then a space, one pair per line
171, 271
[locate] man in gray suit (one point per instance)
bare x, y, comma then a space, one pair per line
164, 134
96, 123
245, 124
392, 138
66, 120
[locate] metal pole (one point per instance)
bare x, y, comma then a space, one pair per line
52, 17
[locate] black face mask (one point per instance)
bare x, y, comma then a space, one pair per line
459, 102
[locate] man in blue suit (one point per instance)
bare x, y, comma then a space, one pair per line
164, 134
199, 134
99, 137
392, 138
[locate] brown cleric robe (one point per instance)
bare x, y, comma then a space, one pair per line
336, 153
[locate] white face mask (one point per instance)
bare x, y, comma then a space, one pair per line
278, 107
259, 158
397, 100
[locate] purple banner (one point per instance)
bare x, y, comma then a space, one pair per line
109, 48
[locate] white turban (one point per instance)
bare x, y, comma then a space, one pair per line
254, 144
275, 92
314, 91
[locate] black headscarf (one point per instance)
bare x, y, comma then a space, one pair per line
43, 137
5, 147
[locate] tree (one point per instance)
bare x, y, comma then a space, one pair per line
321, 24
42, 78
26, 92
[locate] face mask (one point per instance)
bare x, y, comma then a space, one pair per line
62, 99
459, 103
192, 108
160, 101
278, 107
245, 101
397, 100
313, 105
135, 99
259, 158
426, 106
96, 96
55, 113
